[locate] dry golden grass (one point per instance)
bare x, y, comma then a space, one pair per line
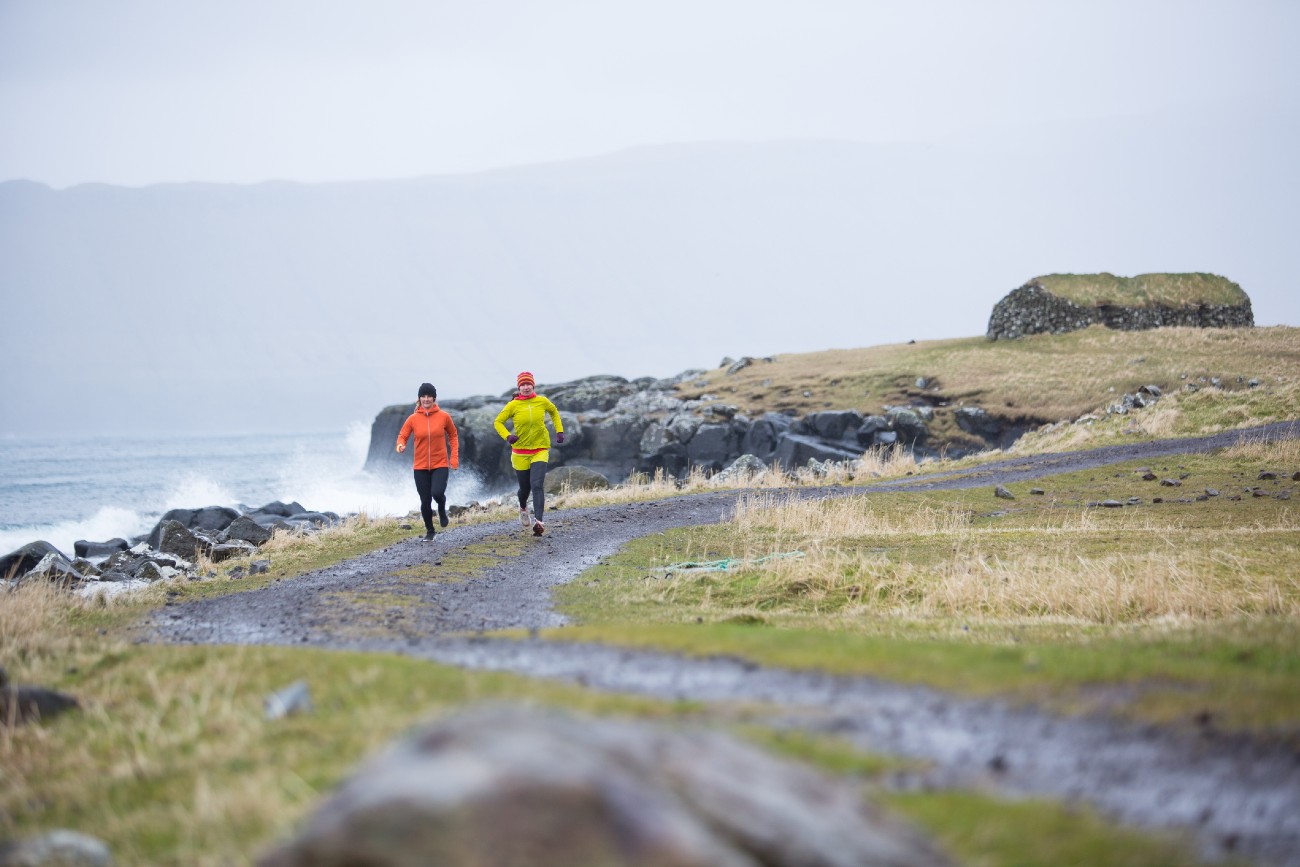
1178, 414
933, 561
1045, 378
33, 621
876, 463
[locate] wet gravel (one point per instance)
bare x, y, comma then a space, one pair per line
1234, 795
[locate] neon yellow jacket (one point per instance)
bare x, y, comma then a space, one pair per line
528, 417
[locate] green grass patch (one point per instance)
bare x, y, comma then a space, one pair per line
1180, 612
173, 762
1144, 290
981, 831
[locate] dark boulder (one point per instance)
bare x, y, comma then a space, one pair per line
531, 788
20, 562
764, 435
796, 451
93, 550
830, 425
576, 479
176, 539
245, 529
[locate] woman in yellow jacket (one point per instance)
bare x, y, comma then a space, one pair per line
530, 444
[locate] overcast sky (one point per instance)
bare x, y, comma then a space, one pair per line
137, 92
1030, 137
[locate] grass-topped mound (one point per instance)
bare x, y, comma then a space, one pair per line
1058, 303
1144, 290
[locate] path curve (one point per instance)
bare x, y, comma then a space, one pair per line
1235, 796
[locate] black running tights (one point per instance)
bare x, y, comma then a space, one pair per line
432, 485
533, 479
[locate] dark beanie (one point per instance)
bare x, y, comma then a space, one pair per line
427, 389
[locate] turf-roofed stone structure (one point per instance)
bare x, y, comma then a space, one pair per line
1057, 303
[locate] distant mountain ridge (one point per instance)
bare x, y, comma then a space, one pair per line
285, 306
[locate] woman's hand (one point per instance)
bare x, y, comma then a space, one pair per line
401, 447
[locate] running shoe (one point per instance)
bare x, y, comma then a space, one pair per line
525, 520
428, 537
442, 514
538, 528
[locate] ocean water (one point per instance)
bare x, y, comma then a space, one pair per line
97, 488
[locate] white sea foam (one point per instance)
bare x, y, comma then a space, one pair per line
107, 523
130, 483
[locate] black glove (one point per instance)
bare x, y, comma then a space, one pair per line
512, 439
559, 438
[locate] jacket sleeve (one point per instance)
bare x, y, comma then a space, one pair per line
499, 424
405, 433
555, 416
453, 438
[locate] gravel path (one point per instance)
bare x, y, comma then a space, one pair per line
1233, 795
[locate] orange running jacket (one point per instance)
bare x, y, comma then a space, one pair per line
433, 430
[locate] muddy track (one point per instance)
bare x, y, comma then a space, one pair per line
1233, 795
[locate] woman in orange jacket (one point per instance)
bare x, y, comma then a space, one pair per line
436, 448
530, 446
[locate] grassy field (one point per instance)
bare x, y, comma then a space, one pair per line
1178, 613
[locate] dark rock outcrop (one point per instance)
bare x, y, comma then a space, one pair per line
623, 427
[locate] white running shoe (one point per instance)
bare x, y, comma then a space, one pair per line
525, 519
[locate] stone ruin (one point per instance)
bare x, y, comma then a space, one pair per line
1034, 309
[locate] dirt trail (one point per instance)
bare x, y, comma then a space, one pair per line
1234, 796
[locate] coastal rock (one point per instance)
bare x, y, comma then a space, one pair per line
831, 425
175, 538
96, 550
245, 529
576, 479
54, 567
742, 467
532, 788
20, 562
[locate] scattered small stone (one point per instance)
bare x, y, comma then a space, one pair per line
1295, 477
1235, 498
236, 573
1003, 494
1201, 498
1258, 493
1252, 382
1111, 504
1149, 476
1157, 499
1037, 492
1134, 501
257, 567
1170, 483
1211, 492
1283, 495
1267, 476
294, 698
62, 847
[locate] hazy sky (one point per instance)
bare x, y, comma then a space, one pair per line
137, 92
969, 146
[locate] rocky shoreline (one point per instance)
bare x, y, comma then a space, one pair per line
172, 548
